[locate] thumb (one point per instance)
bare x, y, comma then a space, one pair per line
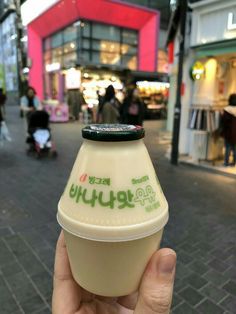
156, 289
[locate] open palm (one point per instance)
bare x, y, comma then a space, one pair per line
154, 296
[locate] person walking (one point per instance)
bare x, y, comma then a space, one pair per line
229, 130
75, 101
30, 101
132, 110
3, 99
110, 108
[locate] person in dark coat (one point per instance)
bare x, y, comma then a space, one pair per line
75, 101
110, 107
132, 111
3, 99
229, 130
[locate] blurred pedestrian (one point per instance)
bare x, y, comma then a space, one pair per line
75, 101
3, 99
132, 110
30, 101
4, 132
110, 108
229, 130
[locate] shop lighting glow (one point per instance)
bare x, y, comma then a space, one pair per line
53, 67
14, 36
25, 70
77, 23
155, 85
231, 25
24, 39
197, 70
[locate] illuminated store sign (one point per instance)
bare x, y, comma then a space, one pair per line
73, 78
231, 25
197, 70
53, 67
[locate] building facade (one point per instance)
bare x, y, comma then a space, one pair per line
209, 77
8, 66
103, 44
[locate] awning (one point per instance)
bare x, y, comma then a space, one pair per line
215, 49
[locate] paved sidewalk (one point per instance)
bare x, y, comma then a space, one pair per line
202, 225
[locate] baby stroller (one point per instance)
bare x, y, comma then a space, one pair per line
39, 135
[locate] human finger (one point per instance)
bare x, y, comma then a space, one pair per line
66, 293
128, 301
156, 289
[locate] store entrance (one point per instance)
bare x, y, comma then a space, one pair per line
211, 93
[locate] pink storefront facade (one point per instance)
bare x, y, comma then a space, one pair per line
108, 12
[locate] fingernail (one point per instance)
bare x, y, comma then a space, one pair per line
166, 264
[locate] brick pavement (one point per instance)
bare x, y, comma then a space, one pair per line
201, 227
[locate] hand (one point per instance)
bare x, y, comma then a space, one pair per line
154, 296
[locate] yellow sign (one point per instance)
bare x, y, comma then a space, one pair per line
197, 70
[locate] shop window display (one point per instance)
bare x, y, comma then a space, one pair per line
94, 43
154, 95
109, 44
86, 43
69, 47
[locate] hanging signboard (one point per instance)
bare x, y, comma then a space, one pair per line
197, 71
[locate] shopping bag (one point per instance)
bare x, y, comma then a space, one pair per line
4, 132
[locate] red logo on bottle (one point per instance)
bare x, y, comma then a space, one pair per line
83, 178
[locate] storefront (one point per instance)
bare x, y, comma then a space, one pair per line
102, 44
209, 78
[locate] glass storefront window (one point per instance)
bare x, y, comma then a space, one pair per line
129, 62
108, 32
47, 44
127, 49
86, 44
98, 44
57, 40
104, 45
69, 59
86, 29
69, 47
85, 56
129, 37
70, 34
57, 55
106, 58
